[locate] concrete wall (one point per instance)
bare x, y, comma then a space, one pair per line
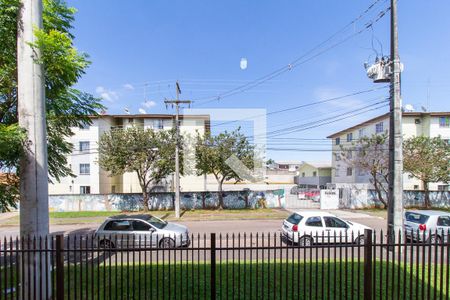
164, 201
355, 196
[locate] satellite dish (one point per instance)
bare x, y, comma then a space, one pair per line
409, 107
142, 111
424, 109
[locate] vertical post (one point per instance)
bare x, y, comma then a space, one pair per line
213, 267
368, 264
395, 204
60, 267
177, 161
33, 165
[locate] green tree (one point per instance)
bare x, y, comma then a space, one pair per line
370, 154
212, 152
148, 153
63, 65
427, 159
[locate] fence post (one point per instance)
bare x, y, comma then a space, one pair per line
59, 267
368, 264
213, 266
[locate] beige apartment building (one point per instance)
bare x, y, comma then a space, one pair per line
91, 179
431, 124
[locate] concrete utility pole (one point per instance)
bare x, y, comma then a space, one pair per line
34, 214
177, 103
395, 205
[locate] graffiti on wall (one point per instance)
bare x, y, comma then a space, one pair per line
165, 201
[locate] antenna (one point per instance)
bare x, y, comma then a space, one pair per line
126, 110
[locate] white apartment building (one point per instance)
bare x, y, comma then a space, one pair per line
91, 179
431, 124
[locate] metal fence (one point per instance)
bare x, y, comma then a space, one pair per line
227, 266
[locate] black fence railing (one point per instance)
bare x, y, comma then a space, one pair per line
227, 266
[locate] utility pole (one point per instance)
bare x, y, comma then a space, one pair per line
177, 104
395, 205
34, 216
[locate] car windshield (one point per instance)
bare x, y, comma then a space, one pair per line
416, 218
156, 222
294, 219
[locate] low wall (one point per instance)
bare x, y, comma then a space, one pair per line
361, 198
165, 201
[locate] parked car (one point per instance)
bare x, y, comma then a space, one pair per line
427, 225
309, 227
144, 230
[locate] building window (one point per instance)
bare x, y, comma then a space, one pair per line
130, 120
84, 126
303, 174
337, 156
349, 154
349, 137
336, 172
84, 146
349, 171
314, 174
338, 141
416, 186
158, 124
85, 189
379, 127
443, 188
444, 121
417, 121
361, 172
113, 189
85, 169
361, 133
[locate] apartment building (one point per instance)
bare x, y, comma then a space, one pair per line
91, 179
431, 124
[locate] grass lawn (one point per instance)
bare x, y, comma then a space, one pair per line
274, 280
86, 217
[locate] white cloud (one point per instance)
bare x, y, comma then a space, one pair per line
149, 104
128, 86
106, 94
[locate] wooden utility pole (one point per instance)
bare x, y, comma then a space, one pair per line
177, 104
34, 215
395, 205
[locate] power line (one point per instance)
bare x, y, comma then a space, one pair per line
306, 105
300, 60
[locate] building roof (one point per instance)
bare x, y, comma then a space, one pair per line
384, 116
153, 116
289, 162
319, 165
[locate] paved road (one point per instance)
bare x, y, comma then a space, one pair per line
206, 227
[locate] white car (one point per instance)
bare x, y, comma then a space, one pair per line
309, 227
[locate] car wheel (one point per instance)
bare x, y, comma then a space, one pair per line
106, 244
360, 240
167, 243
305, 241
434, 239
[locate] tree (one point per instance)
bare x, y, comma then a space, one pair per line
66, 106
212, 153
148, 153
370, 154
427, 159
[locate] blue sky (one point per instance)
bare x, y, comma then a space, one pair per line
140, 48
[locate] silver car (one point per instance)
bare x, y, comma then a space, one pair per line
141, 230
427, 225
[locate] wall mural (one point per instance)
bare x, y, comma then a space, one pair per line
165, 201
